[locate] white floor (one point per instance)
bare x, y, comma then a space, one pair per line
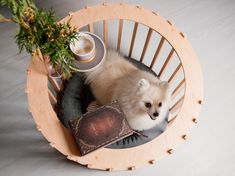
210, 27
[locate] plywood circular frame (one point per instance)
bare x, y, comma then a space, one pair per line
130, 158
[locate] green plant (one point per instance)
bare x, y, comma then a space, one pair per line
40, 33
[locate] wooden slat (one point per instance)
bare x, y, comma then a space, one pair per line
54, 84
176, 106
178, 89
119, 34
174, 74
170, 121
166, 63
157, 51
133, 38
52, 97
105, 32
146, 44
90, 28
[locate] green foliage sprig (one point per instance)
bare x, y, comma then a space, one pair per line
39, 32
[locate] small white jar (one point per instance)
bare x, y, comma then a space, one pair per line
83, 48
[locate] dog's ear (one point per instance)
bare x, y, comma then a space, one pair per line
166, 86
143, 85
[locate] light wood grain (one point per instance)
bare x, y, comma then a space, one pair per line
177, 105
90, 28
157, 52
119, 34
133, 38
175, 73
105, 32
166, 63
178, 88
105, 158
146, 44
54, 83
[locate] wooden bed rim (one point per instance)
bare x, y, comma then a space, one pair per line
130, 158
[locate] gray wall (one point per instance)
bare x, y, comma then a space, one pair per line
209, 26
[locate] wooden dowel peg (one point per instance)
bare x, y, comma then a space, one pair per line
27, 90
132, 168
71, 13
30, 109
200, 102
105, 3
33, 53
52, 144
194, 120
182, 34
39, 128
89, 165
152, 161
28, 71
184, 137
69, 157
110, 169
169, 22
170, 151
155, 13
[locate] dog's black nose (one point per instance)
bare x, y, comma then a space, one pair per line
155, 114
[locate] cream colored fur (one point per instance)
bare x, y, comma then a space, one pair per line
118, 79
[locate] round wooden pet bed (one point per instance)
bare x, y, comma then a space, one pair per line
179, 67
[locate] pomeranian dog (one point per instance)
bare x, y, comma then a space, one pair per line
143, 98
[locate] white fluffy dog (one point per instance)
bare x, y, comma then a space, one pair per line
143, 98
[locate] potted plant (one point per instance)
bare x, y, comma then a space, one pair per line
40, 33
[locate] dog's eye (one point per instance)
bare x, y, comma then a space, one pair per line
160, 104
148, 105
